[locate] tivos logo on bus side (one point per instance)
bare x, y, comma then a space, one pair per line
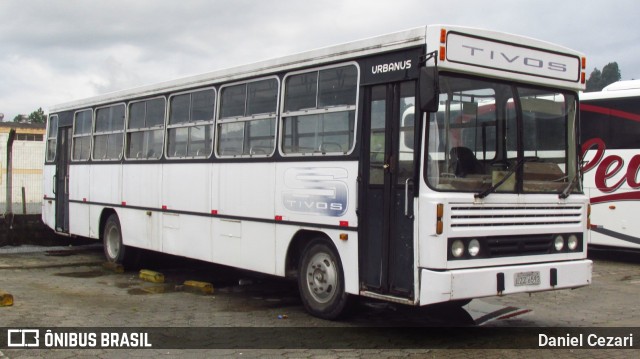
610, 166
318, 191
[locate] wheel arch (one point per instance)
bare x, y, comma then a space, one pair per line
106, 213
298, 243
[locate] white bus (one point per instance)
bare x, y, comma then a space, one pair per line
610, 134
343, 167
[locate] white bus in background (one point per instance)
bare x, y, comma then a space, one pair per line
610, 134
343, 168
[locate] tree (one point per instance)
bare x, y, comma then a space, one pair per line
598, 80
38, 116
610, 74
594, 83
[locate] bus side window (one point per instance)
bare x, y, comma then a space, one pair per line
247, 118
52, 138
108, 133
82, 135
320, 111
145, 129
190, 127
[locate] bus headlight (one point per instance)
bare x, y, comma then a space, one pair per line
572, 242
474, 247
457, 248
558, 243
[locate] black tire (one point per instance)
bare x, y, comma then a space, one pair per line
321, 281
114, 250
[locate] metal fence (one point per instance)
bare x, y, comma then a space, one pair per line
21, 164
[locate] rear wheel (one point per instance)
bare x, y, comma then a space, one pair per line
321, 281
114, 249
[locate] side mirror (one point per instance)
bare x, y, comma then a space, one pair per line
429, 89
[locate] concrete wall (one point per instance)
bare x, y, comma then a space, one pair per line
28, 161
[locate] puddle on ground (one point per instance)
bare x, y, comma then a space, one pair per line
125, 285
152, 289
61, 253
73, 250
88, 274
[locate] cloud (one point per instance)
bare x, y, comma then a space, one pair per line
58, 51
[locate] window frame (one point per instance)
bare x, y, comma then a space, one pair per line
189, 124
53, 137
318, 111
246, 119
29, 137
162, 127
95, 133
508, 107
76, 136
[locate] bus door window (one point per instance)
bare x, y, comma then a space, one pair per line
377, 136
406, 132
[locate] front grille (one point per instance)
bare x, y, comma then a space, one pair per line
510, 216
519, 246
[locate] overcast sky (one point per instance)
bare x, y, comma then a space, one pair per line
54, 51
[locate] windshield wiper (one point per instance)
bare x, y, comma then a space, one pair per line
511, 171
567, 191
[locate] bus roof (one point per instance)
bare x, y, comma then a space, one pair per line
513, 49
379, 44
627, 88
623, 85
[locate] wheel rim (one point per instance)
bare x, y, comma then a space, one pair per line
112, 242
322, 277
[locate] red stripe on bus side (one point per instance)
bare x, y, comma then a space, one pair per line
607, 111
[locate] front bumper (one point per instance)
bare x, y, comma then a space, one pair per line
443, 286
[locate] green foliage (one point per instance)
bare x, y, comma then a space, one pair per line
598, 80
38, 116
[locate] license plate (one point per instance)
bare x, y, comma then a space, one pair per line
526, 278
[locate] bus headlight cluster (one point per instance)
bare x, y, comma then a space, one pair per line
572, 242
558, 243
474, 247
569, 242
458, 248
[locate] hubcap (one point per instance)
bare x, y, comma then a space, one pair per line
322, 277
112, 241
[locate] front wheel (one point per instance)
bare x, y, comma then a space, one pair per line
321, 281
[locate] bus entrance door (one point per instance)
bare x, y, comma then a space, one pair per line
386, 248
62, 179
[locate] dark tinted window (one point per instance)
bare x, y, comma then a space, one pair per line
615, 121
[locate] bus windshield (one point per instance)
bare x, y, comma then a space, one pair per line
493, 136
